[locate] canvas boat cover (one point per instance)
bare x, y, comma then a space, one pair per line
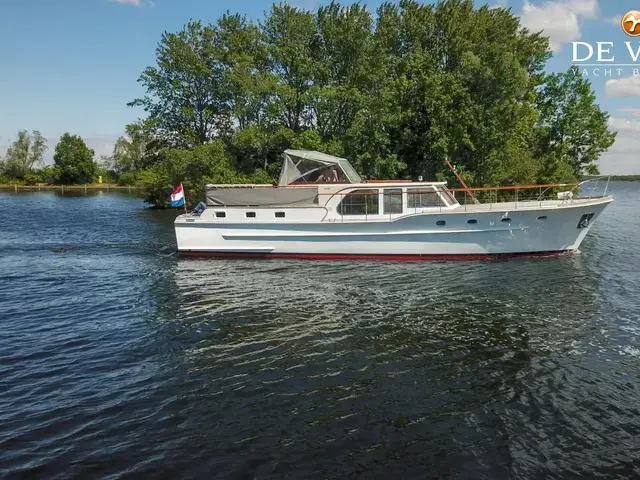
307, 165
298, 166
263, 195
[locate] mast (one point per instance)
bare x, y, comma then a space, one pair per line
464, 185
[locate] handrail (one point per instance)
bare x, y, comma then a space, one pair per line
514, 187
364, 186
595, 179
440, 190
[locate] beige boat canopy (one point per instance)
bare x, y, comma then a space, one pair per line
305, 166
299, 166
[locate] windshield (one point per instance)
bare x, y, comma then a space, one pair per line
448, 195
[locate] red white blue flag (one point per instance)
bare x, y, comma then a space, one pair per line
177, 197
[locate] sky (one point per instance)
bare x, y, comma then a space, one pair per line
72, 65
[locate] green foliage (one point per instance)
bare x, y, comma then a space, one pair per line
194, 168
136, 150
23, 155
129, 179
290, 34
396, 92
572, 127
139, 149
248, 79
48, 174
74, 161
187, 95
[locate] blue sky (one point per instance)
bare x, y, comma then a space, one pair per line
72, 65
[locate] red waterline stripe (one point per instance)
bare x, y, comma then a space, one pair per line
388, 257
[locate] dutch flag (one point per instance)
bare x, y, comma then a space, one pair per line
177, 197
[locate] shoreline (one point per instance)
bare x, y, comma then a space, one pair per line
62, 188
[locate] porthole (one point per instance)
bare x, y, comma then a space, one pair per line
472, 222
441, 223
279, 214
250, 214
542, 218
221, 214
506, 220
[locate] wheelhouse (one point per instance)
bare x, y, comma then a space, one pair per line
369, 200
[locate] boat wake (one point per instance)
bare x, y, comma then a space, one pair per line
59, 248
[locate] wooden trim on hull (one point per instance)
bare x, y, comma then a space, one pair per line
381, 257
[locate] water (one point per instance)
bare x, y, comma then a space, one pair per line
119, 362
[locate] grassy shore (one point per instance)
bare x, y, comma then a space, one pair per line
62, 188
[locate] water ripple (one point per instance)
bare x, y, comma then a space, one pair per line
119, 362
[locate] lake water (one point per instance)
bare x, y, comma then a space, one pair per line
117, 361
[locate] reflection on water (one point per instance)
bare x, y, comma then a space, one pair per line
116, 360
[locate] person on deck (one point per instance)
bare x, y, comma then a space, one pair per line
329, 175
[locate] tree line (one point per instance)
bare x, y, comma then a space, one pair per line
73, 161
396, 92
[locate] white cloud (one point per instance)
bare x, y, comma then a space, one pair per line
614, 20
635, 112
560, 20
626, 143
135, 3
623, 87
583, 8
500, 4
622, 157
618, 124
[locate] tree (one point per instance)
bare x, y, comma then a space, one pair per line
137, 150
290, 34
23, 154
344, 70
194, 168
456, 83
187, 95
244, 54
572, 126
74, 161
397, 93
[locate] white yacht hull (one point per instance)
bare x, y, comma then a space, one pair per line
495, 231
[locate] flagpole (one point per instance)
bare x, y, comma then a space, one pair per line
185, 198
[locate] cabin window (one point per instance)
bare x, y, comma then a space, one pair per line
250, 214
392, 201
360, 202
472, 222
423, 198
221, 214
506, 220
279, 214
542, 218
441, 223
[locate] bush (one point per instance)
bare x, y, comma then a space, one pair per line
33, 178
157, 186
193, 168
128, 179
261, 177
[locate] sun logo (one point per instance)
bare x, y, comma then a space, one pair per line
630, 23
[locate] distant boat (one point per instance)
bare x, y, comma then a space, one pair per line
322, 209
